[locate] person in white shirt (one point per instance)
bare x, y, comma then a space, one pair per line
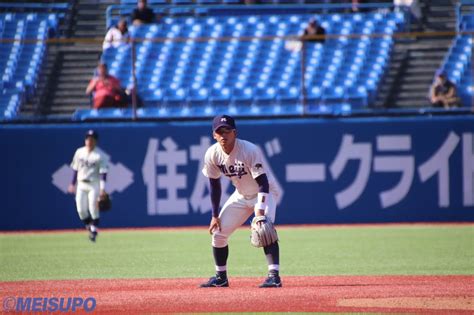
90, 165
255, 192
116, 35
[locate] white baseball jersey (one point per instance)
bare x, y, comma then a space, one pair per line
89, 165
241, 166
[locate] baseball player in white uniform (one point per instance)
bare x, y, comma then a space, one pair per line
90, 166
240, 161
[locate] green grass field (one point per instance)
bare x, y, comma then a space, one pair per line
343, 250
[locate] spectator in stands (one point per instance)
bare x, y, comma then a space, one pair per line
443, 92
142, 14
355, 6
107, 89
314, 31
412, 11
116, 35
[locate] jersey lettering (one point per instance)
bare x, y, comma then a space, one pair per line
86, 163
238, 169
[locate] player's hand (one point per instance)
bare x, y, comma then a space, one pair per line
71, 189
102, 193
215, 224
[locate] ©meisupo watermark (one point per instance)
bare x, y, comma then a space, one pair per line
48, 304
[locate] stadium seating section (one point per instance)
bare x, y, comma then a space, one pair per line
458, 62
22, 52
190, 2
198, 65
182, 76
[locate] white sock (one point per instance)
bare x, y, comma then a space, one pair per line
221, 268
93, 228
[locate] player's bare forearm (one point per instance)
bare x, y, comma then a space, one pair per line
90, 88
450, 93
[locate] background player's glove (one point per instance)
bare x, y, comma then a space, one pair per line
263, 233
105, 203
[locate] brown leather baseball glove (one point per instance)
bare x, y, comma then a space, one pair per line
105, 203
263, 233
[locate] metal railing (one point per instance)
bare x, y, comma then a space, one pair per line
117, 10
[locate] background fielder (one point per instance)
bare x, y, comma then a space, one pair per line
242, 163
90, 166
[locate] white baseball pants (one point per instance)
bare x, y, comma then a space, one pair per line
87, 196
235, 212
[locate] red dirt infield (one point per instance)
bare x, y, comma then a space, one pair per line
413, 294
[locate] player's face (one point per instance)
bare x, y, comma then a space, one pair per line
90, 143
226, 138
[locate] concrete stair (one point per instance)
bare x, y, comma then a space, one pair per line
72, 79
78, 60
89, 22
412, 73
440, 14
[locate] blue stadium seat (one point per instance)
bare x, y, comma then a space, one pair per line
220, 96
199, 96
20, 62
105, 113
10, 102
182, 2
175, 97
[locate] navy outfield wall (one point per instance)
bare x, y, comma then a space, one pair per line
330, 171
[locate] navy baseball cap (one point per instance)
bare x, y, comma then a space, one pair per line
92, 133
223, 121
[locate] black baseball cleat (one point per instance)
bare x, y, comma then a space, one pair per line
93, 236
272, 281
216, 282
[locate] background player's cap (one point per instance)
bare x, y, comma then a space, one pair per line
92, 133
223, 121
